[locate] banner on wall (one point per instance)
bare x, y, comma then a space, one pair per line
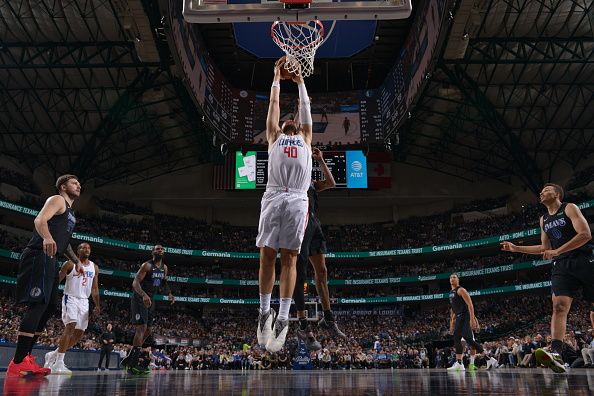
364, 300
492, 240
332, 282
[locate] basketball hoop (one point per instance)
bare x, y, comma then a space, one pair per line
299, 41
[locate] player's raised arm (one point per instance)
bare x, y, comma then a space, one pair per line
65, 269
304, 110
273, 118
328, 182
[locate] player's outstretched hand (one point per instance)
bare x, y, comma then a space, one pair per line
317, 154
508, 246
277, 68
97, 310
297, 78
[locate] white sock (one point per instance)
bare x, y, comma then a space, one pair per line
265, 302
285, 306
471, 359
60, 357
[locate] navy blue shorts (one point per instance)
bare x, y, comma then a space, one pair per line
572, 274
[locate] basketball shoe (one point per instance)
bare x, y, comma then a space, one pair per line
278, 336
265, 326
27, 367
551, 360
332, 327
50, 358
457, 367
60, 368
308, 339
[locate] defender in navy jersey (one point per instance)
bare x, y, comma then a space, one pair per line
462, 322
37, 279
313, 249
566, 239
150, 278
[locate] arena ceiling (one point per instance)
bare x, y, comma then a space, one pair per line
512, 93
91, 87
88, 87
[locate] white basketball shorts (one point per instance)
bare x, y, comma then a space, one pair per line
75, 310
283, 219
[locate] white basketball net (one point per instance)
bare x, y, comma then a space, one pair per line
299, 41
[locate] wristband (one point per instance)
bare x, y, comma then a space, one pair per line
275, 84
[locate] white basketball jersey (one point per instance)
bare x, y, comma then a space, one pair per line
80, 286
289, 163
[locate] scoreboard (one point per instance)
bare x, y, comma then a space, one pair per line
349, 169
370, 116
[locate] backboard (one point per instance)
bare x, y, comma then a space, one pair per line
229, 11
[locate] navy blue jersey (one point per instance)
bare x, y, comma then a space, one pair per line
559, 230
60, 227
153, 279
458, 304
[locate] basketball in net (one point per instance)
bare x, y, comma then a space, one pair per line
285, 74
299, 41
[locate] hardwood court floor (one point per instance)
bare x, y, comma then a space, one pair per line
352, 382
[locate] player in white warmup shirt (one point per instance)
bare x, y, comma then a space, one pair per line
283, 214
75, 306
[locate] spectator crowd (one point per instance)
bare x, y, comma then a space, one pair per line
403, 336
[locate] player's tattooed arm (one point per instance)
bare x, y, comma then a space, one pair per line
70, 255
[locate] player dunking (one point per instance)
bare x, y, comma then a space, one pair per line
75, 306
313, 248
462, 322
283, 214
37, 279
566, 239
151, 276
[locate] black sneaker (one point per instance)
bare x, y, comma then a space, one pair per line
308, 339
332, 327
